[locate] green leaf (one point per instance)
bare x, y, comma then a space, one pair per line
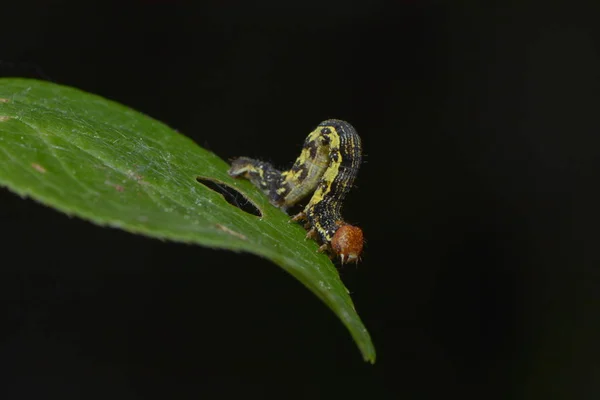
101, 161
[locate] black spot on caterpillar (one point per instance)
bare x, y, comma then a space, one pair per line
327, 167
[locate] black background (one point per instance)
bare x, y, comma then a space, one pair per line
478, 199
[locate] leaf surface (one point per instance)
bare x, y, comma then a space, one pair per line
93, 158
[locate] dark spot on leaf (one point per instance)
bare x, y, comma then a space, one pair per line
118, 188
137, 177
231, 195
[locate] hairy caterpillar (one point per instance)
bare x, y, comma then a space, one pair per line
327, 166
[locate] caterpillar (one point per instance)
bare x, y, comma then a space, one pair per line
327, 167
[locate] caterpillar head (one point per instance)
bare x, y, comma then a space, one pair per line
347, 243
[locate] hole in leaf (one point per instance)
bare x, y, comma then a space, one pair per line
231, 195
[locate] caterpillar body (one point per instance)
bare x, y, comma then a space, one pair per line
327, 167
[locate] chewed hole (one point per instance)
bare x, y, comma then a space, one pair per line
231, 195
